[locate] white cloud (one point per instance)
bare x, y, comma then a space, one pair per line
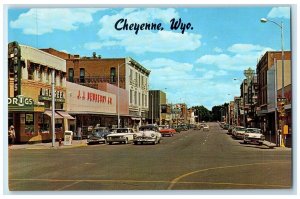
245, 48
184, 79
280, 12
147, 40
45, 20
98, 45
218, 50
245, 55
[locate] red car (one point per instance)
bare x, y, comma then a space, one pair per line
166, 131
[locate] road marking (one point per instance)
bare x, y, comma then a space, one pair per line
146, 181
174, 181
69, 185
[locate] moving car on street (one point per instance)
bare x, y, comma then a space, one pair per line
148, 134
121, 135
167, 131
99, 135
205, 127
254, 135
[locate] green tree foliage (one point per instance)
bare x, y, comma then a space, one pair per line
202, 113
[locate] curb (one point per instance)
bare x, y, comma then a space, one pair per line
55, 147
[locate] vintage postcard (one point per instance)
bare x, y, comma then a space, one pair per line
149, 98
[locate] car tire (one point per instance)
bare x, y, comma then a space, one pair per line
110, 143
245, 142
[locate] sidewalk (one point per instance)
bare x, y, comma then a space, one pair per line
48, 145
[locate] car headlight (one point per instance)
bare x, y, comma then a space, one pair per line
246, 135
152, 135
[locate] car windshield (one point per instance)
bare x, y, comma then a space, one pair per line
147, 128
240, 129
97, 133
253, 130
100, 130
121, 131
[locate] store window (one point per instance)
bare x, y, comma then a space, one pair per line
113, 75
29, 123
31, 72
82, 75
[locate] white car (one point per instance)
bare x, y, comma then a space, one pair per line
121, 135
148, 134
205, 127
253, 135
238, 132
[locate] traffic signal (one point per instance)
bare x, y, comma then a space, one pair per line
281, 109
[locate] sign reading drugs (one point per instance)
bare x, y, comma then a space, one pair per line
82, 99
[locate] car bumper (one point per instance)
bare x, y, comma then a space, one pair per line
112, 139
96, 140
253, 140
144, 140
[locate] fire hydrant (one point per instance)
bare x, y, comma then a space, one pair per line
59, 142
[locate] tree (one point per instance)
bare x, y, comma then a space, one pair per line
219, 111
202, 113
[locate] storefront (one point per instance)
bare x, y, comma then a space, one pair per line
90, 107
29, 91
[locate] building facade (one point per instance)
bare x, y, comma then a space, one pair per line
124, 73
29, 92
157, 101
266, 76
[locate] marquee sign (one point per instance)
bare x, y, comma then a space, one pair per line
46, 95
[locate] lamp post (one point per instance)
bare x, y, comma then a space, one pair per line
151, 108
264, 20
119, 93
53, 106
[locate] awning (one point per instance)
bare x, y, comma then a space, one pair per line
65, 115
49, 113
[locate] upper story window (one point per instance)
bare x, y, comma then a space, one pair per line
71, 75
82, 75
31, 72
113, 75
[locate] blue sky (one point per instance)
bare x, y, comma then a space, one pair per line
197, 67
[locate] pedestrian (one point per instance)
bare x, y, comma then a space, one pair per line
12, 134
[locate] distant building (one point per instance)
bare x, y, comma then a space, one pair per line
157, 101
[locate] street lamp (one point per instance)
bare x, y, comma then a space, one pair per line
151, 107
119, 93
264, 20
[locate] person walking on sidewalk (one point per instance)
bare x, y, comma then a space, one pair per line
11, 134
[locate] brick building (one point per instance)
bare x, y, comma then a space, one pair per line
93, 71
265, 70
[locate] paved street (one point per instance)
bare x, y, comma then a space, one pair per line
190, 160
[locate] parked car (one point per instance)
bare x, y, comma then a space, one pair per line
167, 131
254, 135
205, 127
99, 135
86, 130
226, 126
230, 129
238, 132
148, 134
121, 135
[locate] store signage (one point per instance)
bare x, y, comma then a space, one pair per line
14, 53
93, 97
20, 100
20, 103
46, 95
